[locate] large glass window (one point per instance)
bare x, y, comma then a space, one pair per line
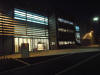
29, 16
34, 44
20, 14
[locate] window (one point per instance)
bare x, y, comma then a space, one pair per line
77, 28
66, 42
65, 30
31, 17
20, 14
78, 37
65, 21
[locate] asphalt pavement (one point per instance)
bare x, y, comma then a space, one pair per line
84, 63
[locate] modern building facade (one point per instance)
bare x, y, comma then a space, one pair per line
63, 32
37, 31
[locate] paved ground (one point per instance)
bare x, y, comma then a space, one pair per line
87, 67
53, 62
84, 63
54, 52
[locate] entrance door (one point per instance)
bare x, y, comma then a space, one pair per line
19, 41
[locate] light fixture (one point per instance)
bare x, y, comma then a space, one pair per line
95, 18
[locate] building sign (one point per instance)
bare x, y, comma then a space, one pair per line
65, 21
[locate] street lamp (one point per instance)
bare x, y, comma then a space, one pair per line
95, 22
96, 19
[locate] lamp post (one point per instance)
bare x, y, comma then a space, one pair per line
95, 21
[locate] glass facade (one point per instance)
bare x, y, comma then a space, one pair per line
31, 33
33, 43
20, 14
29, 16
34, 32
66, 33
32, 29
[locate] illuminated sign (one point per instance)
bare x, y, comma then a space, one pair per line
65, 21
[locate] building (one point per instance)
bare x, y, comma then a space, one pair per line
38, 31
63, 32
90, 31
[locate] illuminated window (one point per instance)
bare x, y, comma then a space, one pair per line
78, 37
31, 17
66, 42
52, 43
65, 30
61, 43
77, 28
20, 14
65, 21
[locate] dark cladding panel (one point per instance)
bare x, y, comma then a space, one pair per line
52, 32
6, 45
1, 45
6, 34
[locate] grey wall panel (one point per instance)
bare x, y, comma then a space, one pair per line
52, 32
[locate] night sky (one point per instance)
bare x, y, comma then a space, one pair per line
84, 10
80, 8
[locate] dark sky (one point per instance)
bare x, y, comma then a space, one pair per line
85, 10
72, 7
80, 8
